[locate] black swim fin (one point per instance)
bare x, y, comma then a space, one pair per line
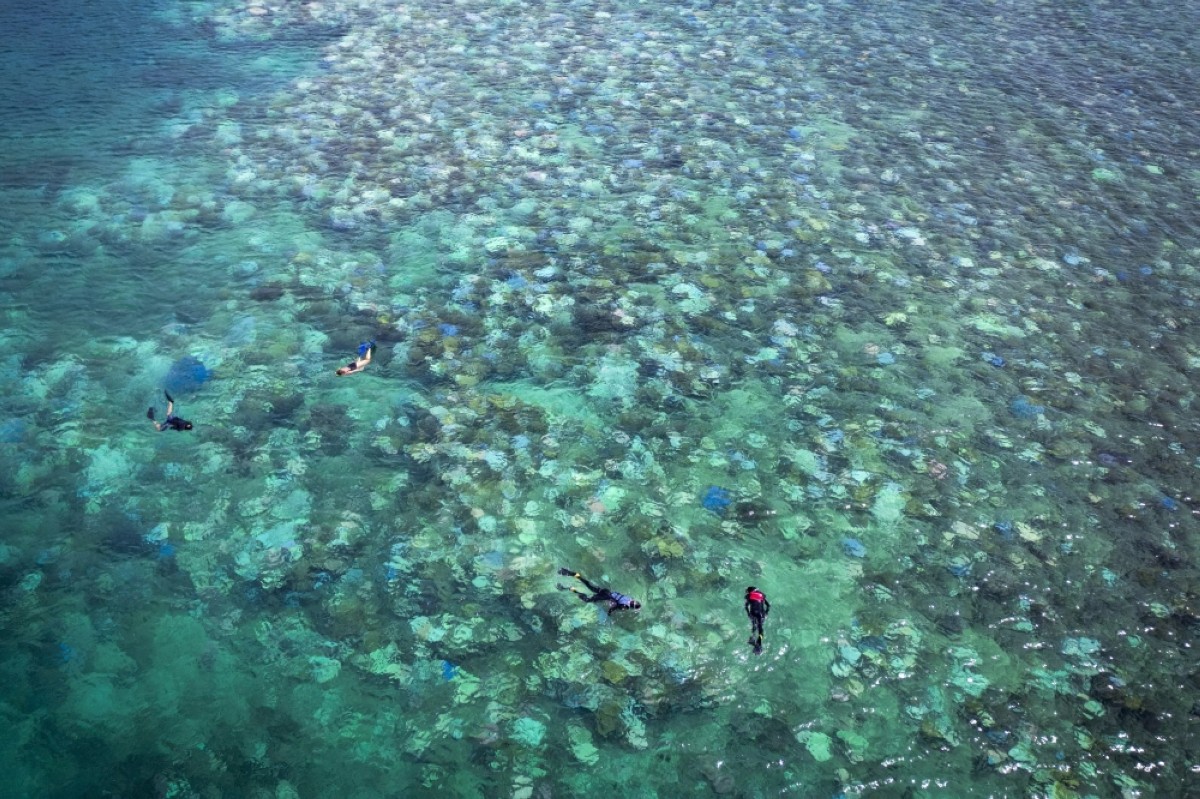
168, 396
150, 413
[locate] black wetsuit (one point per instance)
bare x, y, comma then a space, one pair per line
173, 422
757, 608
616, 601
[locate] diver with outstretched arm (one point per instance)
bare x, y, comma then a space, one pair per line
616, 601
172, 422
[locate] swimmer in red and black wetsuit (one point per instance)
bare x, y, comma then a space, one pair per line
172, 422
616, 601
757, 608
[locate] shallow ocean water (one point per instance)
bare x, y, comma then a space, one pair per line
886, 309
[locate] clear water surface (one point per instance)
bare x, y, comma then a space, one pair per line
885, 308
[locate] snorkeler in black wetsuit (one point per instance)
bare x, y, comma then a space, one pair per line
172, 422
757, 608
616, 601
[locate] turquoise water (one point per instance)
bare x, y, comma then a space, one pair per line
887, 309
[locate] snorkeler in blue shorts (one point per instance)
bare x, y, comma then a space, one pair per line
365, 351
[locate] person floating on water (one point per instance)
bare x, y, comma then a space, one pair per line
757, 608
365, 351
615, 600
172, 422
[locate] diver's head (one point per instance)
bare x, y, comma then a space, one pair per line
187, 425
633, 603
750, 590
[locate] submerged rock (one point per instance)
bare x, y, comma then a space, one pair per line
854, 548
186, 375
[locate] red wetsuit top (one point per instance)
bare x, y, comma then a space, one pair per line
757, 604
